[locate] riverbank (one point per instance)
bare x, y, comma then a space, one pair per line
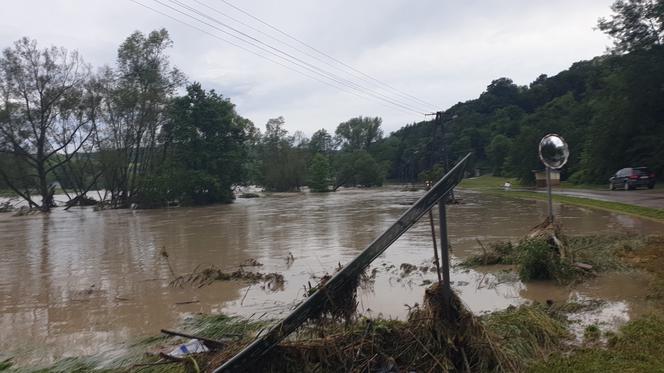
493, 185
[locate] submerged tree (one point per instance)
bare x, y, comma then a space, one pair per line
283, 158
135, 100
205, 144
319, 173
46, 116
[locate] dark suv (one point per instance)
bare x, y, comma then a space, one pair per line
632, 178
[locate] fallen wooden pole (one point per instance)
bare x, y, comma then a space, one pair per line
314, 304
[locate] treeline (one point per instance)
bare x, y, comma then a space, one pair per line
609, 109
123, 136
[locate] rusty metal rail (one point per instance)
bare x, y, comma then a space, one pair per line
314, 303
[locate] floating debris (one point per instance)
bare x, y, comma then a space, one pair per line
249, 195
207, 276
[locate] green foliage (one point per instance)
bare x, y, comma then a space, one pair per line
635, 24
497, 152
592, 333
321, 142
6, 364
539, 261
637, 348
357, 168
206, 144
359, 133
283, 158
433, 175
319, 174
608, 109
527, 332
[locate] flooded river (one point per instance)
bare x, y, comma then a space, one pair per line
85, 282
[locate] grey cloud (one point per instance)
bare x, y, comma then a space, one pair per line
441, 51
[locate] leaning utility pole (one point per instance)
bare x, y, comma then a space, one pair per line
438, 125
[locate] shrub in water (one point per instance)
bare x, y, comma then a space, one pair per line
538, 260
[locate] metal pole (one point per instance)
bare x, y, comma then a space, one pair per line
444, 245
548, 189
435, 248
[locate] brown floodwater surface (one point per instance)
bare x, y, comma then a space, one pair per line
89, 282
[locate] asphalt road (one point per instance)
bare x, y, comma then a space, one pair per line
653, 198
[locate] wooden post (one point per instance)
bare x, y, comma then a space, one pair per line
315, 302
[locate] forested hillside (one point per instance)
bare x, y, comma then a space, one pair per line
609, 109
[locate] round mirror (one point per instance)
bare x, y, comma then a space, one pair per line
553, 151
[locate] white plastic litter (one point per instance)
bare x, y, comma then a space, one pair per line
194, 346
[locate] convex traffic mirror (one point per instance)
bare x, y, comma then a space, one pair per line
553, 151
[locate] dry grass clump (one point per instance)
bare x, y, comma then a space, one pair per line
434, 338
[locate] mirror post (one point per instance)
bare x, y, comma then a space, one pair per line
553, 152
548, 190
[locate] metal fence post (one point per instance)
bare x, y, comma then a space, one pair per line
444, 243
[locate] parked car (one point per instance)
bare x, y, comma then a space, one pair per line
632, 178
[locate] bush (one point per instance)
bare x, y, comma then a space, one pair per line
540, 261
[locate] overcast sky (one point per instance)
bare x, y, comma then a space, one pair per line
441, 52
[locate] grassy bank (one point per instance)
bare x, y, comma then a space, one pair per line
526, 338
637, 347
644, 212
493, 185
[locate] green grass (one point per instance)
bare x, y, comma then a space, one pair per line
637, 347
645, 212
497, 182
489, 182
494, 185
135, 357
535, 259
528, 332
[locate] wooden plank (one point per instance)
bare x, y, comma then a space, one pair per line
313, 304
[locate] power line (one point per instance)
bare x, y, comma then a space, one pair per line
326, 61
256, 43
262, 56
294, 59
325, 54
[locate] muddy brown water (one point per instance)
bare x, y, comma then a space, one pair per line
85, 282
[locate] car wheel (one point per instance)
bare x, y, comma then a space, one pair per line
650, 186
611, 186
627, 186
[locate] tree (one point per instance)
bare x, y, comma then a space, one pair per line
359, 133
46, 115
498, 151
135, 99
319, 173
635, 24
357, 168
321, 142
206, 144
283, 162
